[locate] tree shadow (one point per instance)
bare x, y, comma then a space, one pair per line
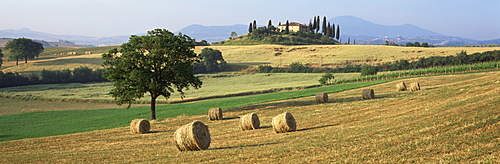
242, 146
317, 127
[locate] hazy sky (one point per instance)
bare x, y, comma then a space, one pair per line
475, 19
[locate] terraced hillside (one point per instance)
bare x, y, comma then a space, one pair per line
454, 118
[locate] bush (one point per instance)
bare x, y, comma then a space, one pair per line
326, 79
368, 70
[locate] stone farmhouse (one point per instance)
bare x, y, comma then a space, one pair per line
294, 27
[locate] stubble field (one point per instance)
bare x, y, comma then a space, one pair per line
454, 118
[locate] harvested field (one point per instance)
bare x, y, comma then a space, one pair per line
452, 119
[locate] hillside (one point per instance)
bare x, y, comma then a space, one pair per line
274, 55
453, 119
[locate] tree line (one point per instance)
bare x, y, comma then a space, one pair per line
460, 59
78, 75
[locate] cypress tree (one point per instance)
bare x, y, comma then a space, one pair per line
287, 30
323, 28
310, 26
328, 30
338, 32
317, 23
254, 24
250, 28
269, 24
333, 30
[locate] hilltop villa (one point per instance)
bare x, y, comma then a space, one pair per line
294, 27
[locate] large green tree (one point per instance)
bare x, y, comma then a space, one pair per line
158, 63
23, 48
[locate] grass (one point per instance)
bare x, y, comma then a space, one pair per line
73, 121
213, 85
453, 119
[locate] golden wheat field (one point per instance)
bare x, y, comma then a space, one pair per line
275, 55
332, 55
452, 119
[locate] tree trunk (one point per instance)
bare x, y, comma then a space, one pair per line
153, 107
25, 59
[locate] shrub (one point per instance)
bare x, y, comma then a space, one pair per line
368, 70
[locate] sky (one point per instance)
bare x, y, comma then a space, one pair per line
473, 19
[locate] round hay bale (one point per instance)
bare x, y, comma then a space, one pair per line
192, 136
414, 86
401, 86
139, 126
321, 97
250, 122
368, 94
215, 114
284, 123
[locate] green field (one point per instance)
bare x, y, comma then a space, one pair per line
213, 85
48, 123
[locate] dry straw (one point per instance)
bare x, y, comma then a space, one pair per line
401, 86
284, 123
368, 94
250, 122
139, 126
414, 86
192, 136
321, 97
215, 114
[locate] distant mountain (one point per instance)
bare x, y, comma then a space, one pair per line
364, 32
213, 33
53, 40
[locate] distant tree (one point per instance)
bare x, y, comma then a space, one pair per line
425, 44
416, 44
287, 28
23, 48
158, 63
338, 32
269, 23
317, 23
250, 28
1, 56
354, 42
368, 70
233, 34
328, 30
349, 40
326, 79
323, 28
408, 44
310, 27
333, 30
254, 24
212, 60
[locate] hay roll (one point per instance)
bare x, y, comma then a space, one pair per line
401, 86
139, 126
414, 86
215, 114
368, 94
192, 136
284, 123
250, 122
321, 97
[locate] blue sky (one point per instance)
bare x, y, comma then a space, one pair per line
475, 19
